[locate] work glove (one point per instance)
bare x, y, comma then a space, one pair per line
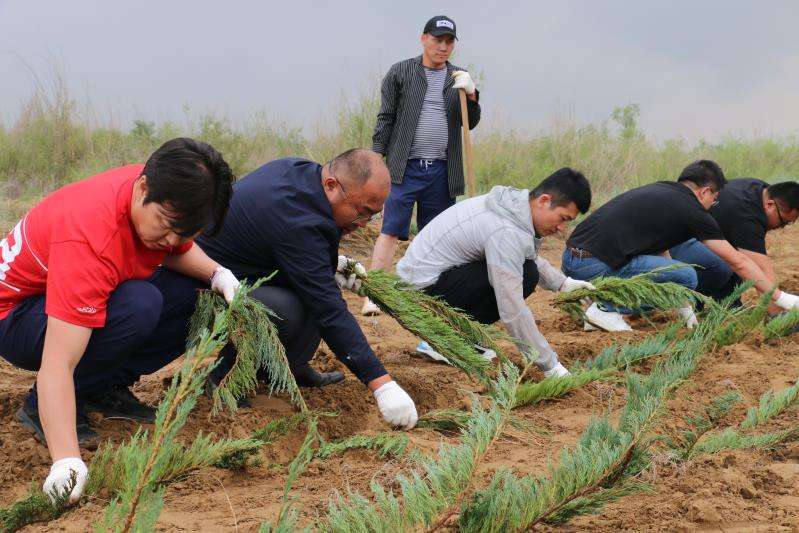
787, 301
60, 479
571, 284
396, 406
463, 81
687, 314
558, 371
348, 272
225, 283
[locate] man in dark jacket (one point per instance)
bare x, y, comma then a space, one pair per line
418, 130
289, 216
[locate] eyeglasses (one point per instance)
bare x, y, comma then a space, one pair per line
783, 222
369, 217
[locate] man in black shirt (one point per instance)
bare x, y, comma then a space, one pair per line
632, 234
747, 209
289, 216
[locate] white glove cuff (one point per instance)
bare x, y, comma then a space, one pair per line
786, 300
386, 388
73, 463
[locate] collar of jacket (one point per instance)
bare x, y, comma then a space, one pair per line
420, 72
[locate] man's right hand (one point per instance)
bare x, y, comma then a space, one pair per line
787, 301
59, 481
396, 406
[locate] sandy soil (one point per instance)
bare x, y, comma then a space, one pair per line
732, 491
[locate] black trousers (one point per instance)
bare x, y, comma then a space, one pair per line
295, 328
466, 287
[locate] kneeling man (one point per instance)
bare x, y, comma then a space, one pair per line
481, 255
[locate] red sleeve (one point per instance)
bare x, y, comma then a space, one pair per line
182, 249
78, 284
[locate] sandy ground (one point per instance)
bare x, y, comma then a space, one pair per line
731, 491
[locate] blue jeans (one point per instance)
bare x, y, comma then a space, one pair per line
716, 278
588, 268
425, 184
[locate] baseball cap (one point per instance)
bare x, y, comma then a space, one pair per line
440, 25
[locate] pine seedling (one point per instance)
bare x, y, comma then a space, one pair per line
145, 458
448, 331
35, 507
742, 322
385, 444
555, 387
771, 404
431, 496
732, 439
252, 330
637, 292
782, 325
699, 424
619, 357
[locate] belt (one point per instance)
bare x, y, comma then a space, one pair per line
579, 252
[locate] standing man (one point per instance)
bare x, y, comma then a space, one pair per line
289, 216
481, 256
747, 209
418, 131
81, 301
632, 234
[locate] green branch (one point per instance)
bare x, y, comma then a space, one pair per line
771, 404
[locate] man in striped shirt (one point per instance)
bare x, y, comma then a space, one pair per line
418, 131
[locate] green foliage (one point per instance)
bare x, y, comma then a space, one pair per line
731, 439
615, 357
429, 497
700, 424
385, 444
433, 321
637, 292
252, 330
771, 404
743, 321
781, 325
555, 387
35, 507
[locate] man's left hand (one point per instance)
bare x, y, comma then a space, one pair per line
463, 81
571, 284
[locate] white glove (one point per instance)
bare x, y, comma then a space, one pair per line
60, 479
687, 313
558, 371
396, 406
787, 301
225, 283
571, 284
463, 81
356, 270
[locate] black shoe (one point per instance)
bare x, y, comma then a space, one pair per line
119, 402
214, 379
308, 377
28, 416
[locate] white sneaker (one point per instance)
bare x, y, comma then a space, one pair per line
557, 371
428, 350
486, 353
370, 308
607, 320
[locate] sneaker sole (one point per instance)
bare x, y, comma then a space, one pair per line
433, 356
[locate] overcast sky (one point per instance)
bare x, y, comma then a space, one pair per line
698, 69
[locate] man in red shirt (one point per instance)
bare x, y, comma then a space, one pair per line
85, 303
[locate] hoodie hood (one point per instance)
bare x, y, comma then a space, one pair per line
513, 205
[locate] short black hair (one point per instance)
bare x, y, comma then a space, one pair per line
566, 185
704, 173
785, 193
193, 183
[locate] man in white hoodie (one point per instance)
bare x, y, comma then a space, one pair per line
481, 255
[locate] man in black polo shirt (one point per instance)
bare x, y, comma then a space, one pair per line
289, 216
747, 209
632, 234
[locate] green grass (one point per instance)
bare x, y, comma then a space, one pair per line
53, 142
